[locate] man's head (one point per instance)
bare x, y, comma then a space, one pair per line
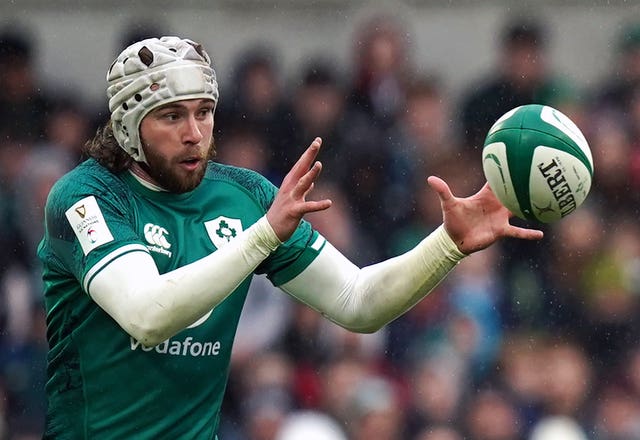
523, 44
177, 139
629, 53
150, 74
17, 74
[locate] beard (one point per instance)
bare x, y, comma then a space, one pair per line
168, 174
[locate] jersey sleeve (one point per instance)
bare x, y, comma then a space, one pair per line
89, 223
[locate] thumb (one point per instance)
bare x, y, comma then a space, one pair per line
441, 188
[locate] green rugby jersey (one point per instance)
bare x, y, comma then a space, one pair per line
102, 383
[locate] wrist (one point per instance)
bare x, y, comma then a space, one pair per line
265, 236
447, 245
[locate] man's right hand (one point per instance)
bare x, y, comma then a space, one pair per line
290, 204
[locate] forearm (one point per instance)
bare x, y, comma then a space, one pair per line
152, 307
366, 299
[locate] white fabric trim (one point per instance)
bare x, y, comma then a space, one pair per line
146, 183
108, 258
318, 243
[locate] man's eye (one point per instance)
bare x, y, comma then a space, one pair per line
170, 116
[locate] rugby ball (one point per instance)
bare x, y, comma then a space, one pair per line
538, 163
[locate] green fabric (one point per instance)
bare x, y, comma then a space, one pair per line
101, 382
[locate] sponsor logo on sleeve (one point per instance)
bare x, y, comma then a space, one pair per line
88, 224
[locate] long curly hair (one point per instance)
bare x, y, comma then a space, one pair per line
104, 148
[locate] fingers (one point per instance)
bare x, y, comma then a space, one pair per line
306, 159
316, 205
524, 233
305, 186
305, 183
440, 187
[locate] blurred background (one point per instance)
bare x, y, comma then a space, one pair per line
522, 341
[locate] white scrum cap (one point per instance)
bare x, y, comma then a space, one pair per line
151, 73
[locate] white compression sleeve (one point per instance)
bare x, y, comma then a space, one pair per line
152, 307
364, 300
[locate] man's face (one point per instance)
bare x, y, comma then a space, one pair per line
525, 63
177, 141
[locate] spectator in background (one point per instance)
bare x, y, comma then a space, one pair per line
339, 379
256, 99
617, 154
139, 29
474, 328
265, 318
491, 415
382, 65
408, 333
375, 411
308, 339
522, 76
633, 138
418, 143
520, 373
67, 127
4, 425
423, 134
437, 383
244, 145
305, 339
616, 91
23, 372
356, 156
567, 379
459, 169
318, 105
266, 395
629, 370
339, 225
23, 103
617, 413
558, 304
42, 168
9, 240
24, 110
464, 319
23, 347
440, 432
610, 285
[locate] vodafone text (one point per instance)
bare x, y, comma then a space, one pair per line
181, 348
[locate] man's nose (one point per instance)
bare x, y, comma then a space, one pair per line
192, 132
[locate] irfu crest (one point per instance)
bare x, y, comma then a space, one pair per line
222, 230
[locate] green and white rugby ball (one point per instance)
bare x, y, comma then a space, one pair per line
538, 163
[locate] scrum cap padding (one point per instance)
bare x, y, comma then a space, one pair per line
151, 73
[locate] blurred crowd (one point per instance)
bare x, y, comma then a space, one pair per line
522, 341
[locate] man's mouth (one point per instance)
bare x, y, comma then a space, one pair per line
191, 162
